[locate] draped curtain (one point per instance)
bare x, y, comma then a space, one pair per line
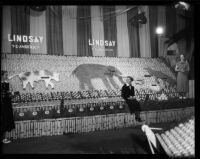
110, 30
38, 28
97, 29
180, 24
69, 23
6, 29
170, 21
20, 25
133, 34
122, 33
153, 23
54, 30
144, 35
162, 23
83, 31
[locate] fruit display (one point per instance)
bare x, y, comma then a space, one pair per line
94, 93
111, 93
85, 94
76, 95
180, 139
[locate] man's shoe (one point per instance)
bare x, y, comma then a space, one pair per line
139, 120
6, 141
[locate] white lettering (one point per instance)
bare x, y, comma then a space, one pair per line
91, 43
36, 40
106, 43
101, 42
41, 39
30, 39
9, 38
113, 43
25, 38
97, 42
19, 38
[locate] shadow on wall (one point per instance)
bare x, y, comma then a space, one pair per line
159, 74
86, 72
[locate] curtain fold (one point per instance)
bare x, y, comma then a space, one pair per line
6, 29
110, 30
38, 28
20, 25
122, 33
180, 24
170, 21
69, 26
153, 23
54, 30
144, 34
84, 31
162, 23
97, 30
133, 34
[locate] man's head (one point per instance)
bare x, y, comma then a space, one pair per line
4, 75
129, 79
182, 57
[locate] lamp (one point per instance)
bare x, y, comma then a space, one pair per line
139, 19
38, 8
182, 5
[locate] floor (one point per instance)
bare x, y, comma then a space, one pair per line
121, 141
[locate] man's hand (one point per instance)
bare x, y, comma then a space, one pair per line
131, 97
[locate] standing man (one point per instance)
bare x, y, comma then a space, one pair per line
128, 94
7, 119
182, 67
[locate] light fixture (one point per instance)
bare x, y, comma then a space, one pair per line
38, 8
182, 5
139, 19
159, 30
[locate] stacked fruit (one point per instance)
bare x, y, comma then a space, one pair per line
36, 97
46, 97
118, 93
111, 93
85, 94
66, 95
102, 93
16, 99
76, 95
56, 95
25, 98
94, 93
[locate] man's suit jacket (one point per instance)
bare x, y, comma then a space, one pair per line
127, 91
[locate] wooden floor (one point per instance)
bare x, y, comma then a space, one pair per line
121, 141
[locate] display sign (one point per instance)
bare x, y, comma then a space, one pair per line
22, 41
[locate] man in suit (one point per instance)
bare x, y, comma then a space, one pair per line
128, 94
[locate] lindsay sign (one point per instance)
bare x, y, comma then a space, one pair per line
25, 39
101, 43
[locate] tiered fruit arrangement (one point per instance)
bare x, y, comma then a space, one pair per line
36, 97
76, 95
118, 93
180, 140
111, 93
56, 95
25, 98
85, 94
102, 93
94, 93
46, 97
66, 95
